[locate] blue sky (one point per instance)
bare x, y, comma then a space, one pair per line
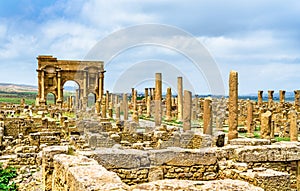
259, 39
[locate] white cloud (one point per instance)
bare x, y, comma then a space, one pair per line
3, 30
258, 39
114, 14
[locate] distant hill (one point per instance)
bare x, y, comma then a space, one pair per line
10, 87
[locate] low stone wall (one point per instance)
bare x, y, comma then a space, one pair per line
154, 139
140, 166
79, 173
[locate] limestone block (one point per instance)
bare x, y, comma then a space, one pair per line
117, 158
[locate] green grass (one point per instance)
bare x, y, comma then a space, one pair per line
15, 100
278, 139
15, 97
256, 135
69, 115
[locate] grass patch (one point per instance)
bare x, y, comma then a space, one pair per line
69, 115
278, 139
71, 151
256, 135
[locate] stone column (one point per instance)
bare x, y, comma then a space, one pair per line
117, 107
270, 97
179, 98
187, 110
59, 99
151, 93
84, 101
103, 109
42, 87
110, 110
169, 105
207, 116
293, 125
298, 174
233, 105
125, 106
135, 116
107, 99
133, 100
148, 107
281, 96
195, 108
101, 86
265, 128
132, 93
250, 125
260, 97
146, 94
297, 99
158, 97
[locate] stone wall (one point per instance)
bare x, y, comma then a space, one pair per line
138, 166
81, 173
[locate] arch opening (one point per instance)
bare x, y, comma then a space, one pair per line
91, 100
50, 99
71, 94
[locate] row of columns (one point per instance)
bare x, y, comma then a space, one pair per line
281, 97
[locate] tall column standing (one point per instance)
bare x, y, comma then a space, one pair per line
169, 105
297, 99
59, 100
187, 110
260, 97
293, 125
158, 97
207, 116
233, 105
281, 96
43, 87
270, 97
179, 98
250, 126
146, 94
125, 106
84, 102
101, 85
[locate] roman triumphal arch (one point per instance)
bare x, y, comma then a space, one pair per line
53, 73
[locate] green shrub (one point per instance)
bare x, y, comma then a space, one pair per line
5, 177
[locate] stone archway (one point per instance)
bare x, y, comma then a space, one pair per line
53, 73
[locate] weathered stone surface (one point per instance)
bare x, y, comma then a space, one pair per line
228, 185
250, 142
189, 157
117, 158
277, 152
94, 177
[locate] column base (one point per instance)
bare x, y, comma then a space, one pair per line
232, 135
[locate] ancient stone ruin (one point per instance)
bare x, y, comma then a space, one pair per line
147, 140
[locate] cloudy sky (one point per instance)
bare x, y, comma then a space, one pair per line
259, 39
